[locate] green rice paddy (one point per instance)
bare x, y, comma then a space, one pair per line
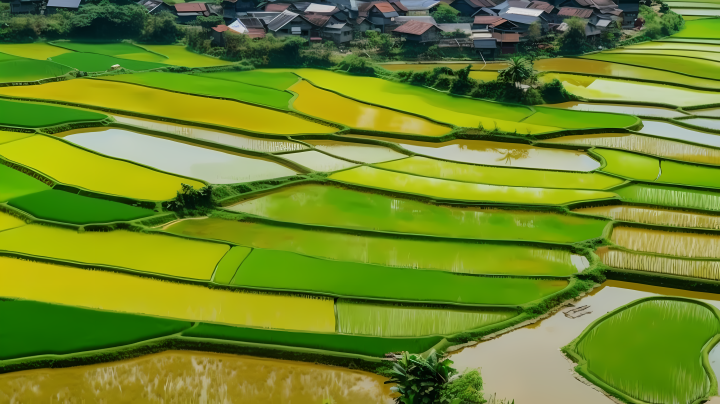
670, 196
229, 264
705, 29
688, 174
66, 207
93, 62
500, 176
16, 184
34, 328
22, 70
284, 271
31, 115
686, 65
651, 350
265, 78
442, 255
443, 189
336, 207
203, 86
630, 165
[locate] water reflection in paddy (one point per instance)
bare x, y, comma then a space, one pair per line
670, 131
705, 123
213, 166
318, 161
226, 138
454, 66
526, 365
367, 153
620, 109
176, 377
502, 154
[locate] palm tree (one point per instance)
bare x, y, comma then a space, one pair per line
519, 70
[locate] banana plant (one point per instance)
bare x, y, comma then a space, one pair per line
419, 380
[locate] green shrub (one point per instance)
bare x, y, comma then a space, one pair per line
574, 41
467, 389
108, 20
554, 92
161, 29
445, 14
419, 380
357, 65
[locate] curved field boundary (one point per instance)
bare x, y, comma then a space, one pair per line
641, 80
582, 365
671, 71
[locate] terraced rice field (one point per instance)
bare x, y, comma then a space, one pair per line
311, 215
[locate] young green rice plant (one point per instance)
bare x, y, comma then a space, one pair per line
704, 269
650, 350
691, 245
647, 145
670, 196
660, 216
401, 321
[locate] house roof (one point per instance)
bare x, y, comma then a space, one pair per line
321, 8
480, 3
528, 12
418, 5
190, 7
542, 5
220, 28
252, 22
256, 33
629, 6
575, 12
602, 23
507, 37
398, 5
423, 18
384, 7
281, 20
464, 27
414, 28
277, 7
317, 19
64, 3
150, 5
487, 19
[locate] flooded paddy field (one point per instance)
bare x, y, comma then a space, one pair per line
213, 166
621, 109
366, 153
317, 161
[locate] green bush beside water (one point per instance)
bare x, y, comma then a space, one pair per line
65, 207
355, 344
33, 328
282, 270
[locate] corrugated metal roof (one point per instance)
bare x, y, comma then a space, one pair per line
422, 18
575, 12
464, 27
419, 5
506, 37
521, 19
487, 19
414, 28
256, 33
281, 20
384, 7
398, 5
316, 19
252, 22
480, 3
150, 5
277, 7
528, 12
542, 5
603, 23
320, 8
64, 3
190, 7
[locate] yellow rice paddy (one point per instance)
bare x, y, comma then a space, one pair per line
178, 55
39, 50
332, 107
648, 145
689, 245
152, 253
659, 216
704, 269
75, 166
132, 294
9, 221
7, 137
127, 97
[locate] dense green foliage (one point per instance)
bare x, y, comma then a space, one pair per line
660, 26
651, 350
33, 328
445, 14
467, 389
30, 115
93, 62
573, 40
60, 206
16, 184
421, 380
205, 85
108, 20
268, 269
190, 200
357, 344
161, 28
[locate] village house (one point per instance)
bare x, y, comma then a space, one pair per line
25, 6
154, 6
380, 14
188, 12
417, 31
54, 5
473, 7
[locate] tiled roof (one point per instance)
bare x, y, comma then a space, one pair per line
481, 3
413, 28
190, 7
277, 7
384, 7
220, 28
541, 5
488, 19
256, 33
575, 12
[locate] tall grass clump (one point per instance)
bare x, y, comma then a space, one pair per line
650, 145
670, 196
664, 265
659, 216
403, 321
651, 351
689, 245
